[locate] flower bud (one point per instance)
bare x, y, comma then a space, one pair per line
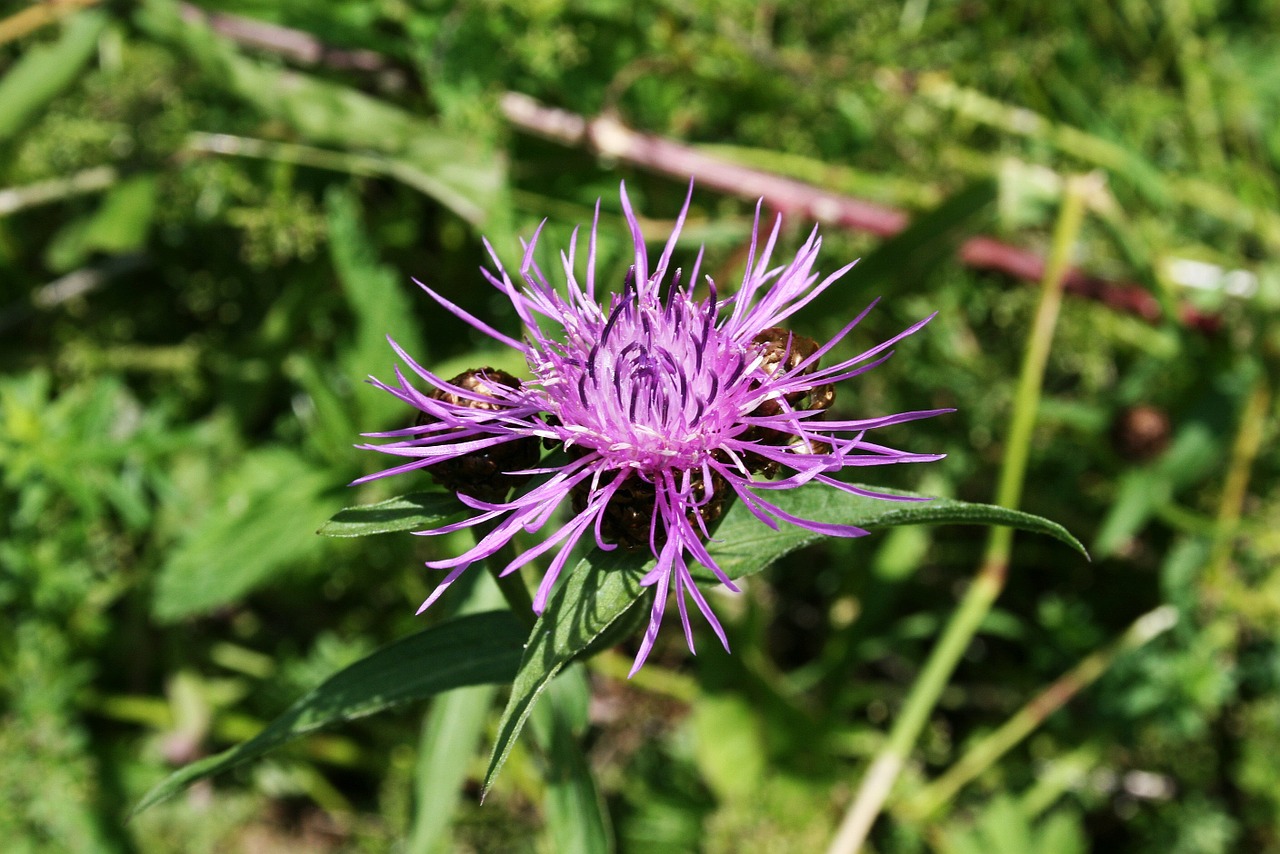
629, 513
783, 352
480, 474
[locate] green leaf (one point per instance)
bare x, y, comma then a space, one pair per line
380, 299
730, 746
602, 588
1062, 832
479, 649
331, 420
417, 511
254, 529
467, 177
743, 545
122, 223
577, 821
606, 585
46, 70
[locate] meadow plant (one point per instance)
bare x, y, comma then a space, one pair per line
668, 405
667, 434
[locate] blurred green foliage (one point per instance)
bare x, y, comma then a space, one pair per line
204, 242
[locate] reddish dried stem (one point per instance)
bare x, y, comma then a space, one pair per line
610, 138
294, 45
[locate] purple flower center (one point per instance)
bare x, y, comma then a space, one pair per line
647, 386
670, 408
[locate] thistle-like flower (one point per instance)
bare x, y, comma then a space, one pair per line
670, 404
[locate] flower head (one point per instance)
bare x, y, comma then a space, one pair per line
671, 401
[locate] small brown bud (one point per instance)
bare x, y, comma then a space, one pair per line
480, 473
629, 513
784, 350
1141, 432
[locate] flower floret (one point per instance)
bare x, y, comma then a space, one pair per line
668, 405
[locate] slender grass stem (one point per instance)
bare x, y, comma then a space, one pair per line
652, 678
452, 730
883, 773
991, 748
454, 722
84, 182
1218, 578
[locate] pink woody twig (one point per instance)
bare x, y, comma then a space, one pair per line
610, 138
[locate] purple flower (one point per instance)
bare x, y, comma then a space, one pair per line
669, 404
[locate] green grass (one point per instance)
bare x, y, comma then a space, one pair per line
184, 335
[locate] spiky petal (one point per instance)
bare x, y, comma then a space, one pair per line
669, 402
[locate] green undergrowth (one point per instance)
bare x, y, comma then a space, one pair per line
204, 243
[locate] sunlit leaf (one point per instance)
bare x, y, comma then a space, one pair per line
605, 585
599, 592
744, 546
466, 177
417, 511
255, 529
46, 70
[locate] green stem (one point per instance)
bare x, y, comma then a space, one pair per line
517, 595
652, 678
989, 581
1027, 397
989, 749
1218, 581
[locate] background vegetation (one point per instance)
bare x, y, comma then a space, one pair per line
204, 241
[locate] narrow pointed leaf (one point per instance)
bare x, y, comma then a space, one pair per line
46, 70
577, 820
248, 536
478, 649
606, 585
600, 590
904, 263
418, 511
743, 546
